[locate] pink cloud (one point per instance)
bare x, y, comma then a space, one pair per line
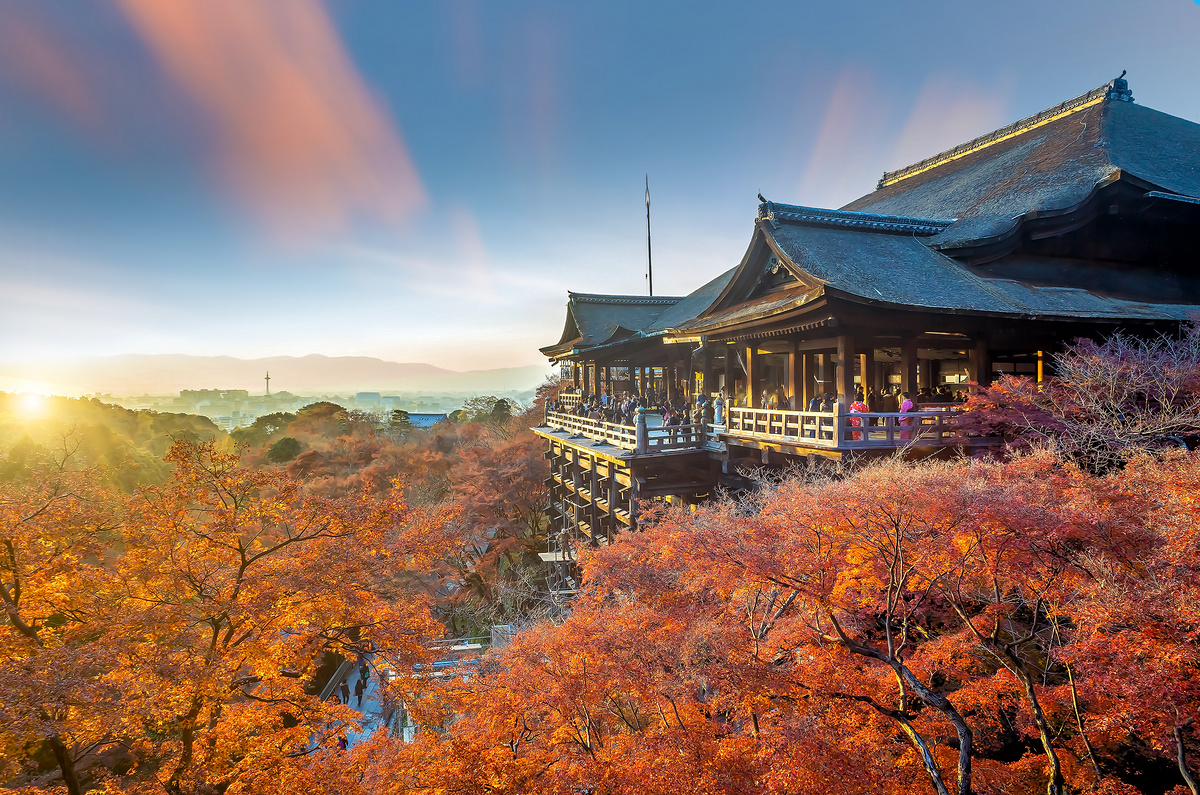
36, 61
843, 160
945, 114
300, 139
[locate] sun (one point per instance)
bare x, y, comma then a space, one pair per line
31, 404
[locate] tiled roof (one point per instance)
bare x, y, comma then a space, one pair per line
1047, 165
594, 319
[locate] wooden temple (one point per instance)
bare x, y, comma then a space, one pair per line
983, 259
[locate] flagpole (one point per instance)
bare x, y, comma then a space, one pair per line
649, 256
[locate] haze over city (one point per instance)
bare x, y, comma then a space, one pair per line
424, 182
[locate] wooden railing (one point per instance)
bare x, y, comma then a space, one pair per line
839, 430
570, 399
833, 430
638, 438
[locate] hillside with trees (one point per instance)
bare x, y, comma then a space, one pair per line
1014, 624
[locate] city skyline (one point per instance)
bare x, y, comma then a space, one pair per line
424, 183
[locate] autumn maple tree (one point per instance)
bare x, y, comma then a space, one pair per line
186, 638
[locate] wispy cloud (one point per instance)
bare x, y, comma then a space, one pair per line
947, 112
844, 155
301, 140
35, 59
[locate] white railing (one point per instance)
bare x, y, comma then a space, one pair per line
841, 430
634, 438
623, 436
570, 399
833, 430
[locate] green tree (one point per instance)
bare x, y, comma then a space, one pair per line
286, 449
400, 422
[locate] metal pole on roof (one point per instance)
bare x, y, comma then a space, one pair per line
649, 256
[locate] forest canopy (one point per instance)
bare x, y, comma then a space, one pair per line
1018, 623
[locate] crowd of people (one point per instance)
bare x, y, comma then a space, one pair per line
622, 409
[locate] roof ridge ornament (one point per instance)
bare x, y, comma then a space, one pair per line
766, 211
1117, 89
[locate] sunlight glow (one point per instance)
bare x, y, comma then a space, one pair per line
31, 404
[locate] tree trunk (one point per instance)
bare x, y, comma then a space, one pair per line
1188, 778
1055, 785
1091, 753
66, 764
943, 705
935, 775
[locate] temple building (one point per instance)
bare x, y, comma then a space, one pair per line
983, 259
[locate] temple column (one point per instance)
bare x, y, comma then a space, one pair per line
908, 365
706, 371
1042, 369
575, 374
925, 374
796, 378
752, 373
669, 382
866, 367
980, 366
846, 353
821, 382
732, 372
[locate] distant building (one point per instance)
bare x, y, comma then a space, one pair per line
423, 420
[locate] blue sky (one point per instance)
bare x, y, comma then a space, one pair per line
425, 181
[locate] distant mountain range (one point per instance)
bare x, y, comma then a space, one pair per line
166, 374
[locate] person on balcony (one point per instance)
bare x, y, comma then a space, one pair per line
906, 406
857, 407
888, 402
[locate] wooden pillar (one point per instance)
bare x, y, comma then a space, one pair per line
732, 371
706, 371
575, 373
575, 482
908, 365
593, 505
796, 380
613, 486
866, 367
981, 364
845, 371
1042, 369
924, 373
640, 384
752, 373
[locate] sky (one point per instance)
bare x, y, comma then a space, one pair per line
425, 181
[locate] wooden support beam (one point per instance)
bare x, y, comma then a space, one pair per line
796, 379
980, 366
707, 385
752, 375
908, 365
612, 503
593, 493
866, 366
847, 353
